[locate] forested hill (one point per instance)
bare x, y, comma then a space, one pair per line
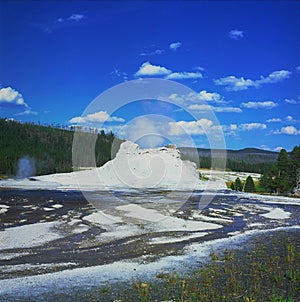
47, 148
247, 160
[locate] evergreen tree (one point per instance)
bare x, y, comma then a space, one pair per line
249, 184
283, 178
232, 187
295, 166
238, 184
270, 182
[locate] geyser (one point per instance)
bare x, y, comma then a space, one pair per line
26, 167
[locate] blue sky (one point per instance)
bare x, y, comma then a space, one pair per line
241, 59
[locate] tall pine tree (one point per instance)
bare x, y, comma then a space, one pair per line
238, 184
284, 182
249, 185
295, 167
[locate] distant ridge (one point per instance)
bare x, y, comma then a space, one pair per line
247, 159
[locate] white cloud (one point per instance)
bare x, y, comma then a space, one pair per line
184, 75
298, 69
252, 126
291, 101
76, 17
198, 127
290, 119
278, 149
151, 53
11, 96
97, 117
274, 77
235, 84
257, 105
27, 112
193, 97
232, 83
174, 46
158, 51
146, 131
274, 120
236, 34
199, 68
264, 147
235, 129
120, 74
62, 22
147, 69
205, 107
289, 130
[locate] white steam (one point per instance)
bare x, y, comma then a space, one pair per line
26, 167
147, 131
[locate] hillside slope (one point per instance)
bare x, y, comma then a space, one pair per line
247, 160
48, 149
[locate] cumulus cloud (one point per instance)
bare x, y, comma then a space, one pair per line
194, 97
298, 69
198, 101
147, 69
199, 127
233, 83
97, 117
274, 77
236, 34
252, 126
175, 45
11, 96
184, 75
274, 120
258, 105
205, 107
289, 130
234, 129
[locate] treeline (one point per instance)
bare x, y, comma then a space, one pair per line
48, 147
236, 165
250, 160
244, 165
283, 176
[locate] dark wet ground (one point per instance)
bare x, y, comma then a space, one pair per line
83, 249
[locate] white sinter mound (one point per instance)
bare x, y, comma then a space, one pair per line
160, 168
149, 168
